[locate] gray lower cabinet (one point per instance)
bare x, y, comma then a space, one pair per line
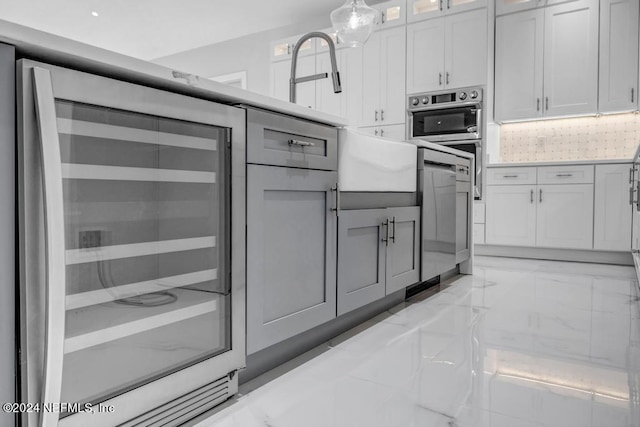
378, 254
291, 252
403, 251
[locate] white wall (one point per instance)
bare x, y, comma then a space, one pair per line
250, 54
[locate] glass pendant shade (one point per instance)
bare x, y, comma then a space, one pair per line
353, 22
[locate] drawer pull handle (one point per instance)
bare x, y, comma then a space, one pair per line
509, 176
541, 195
301, 143
564, 174
531, 195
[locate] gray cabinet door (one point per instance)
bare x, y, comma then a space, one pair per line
361, 263
403, 251
291, 253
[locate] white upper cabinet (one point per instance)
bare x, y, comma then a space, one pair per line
392, 14
547, 62
347, 103
465, 47
383, 78
618, 55
447, 52
519, 65
418, 10
283, 49
425, 59
509, 6
571, 58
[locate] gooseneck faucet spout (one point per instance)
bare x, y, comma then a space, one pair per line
293, 81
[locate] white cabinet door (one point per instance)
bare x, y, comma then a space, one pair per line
425, 56
455, 6
511, 215
351, 77
571, 58
565, 216
418, 10
371, 81
280, 72
618, 55
519, 66
392, 76
612, 210
465, 48
393, 13
326, 100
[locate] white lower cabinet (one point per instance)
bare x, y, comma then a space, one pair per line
564, 217
511, 215
560, 207
612, 212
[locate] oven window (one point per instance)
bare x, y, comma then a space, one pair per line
449, 121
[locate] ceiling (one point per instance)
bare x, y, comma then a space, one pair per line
150, 29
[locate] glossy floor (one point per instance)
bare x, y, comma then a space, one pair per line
520, 343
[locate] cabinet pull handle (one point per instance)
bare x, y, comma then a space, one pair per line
564, 174
632, 93
375, 132
532, 195
541, 195
376, 114
301, 143
537, 104
631, 175
440, 75
381, 132
393, 224
383, 16
509, 176
638, 192
448, 4
288, 49
385, 224
381, 115
447, 78
546, 101
441, 4
631, 192
336, 207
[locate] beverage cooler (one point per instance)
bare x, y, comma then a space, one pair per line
132, 250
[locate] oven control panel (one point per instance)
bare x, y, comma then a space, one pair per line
444, 98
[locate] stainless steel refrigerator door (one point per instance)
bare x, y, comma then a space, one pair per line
129, 237
438, 190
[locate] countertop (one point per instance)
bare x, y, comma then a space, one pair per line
64, 52
565, 163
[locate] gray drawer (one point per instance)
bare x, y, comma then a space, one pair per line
274, 139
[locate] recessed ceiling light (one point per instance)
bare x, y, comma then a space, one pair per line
94, 13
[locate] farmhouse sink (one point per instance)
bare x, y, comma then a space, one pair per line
371, 163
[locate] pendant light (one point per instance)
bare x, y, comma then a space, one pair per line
354, 22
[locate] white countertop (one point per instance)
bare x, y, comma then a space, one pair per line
72, 54
563, 163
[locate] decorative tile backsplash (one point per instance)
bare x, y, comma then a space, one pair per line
584, 138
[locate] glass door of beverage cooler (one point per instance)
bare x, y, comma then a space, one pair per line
132, 232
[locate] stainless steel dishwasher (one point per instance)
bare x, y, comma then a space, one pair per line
437, 191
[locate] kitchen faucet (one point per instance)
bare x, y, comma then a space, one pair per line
293, 81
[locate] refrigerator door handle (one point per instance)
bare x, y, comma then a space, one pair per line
55, 275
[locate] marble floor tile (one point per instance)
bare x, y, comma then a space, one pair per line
521, 343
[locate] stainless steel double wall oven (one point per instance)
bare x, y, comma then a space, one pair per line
453, 118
